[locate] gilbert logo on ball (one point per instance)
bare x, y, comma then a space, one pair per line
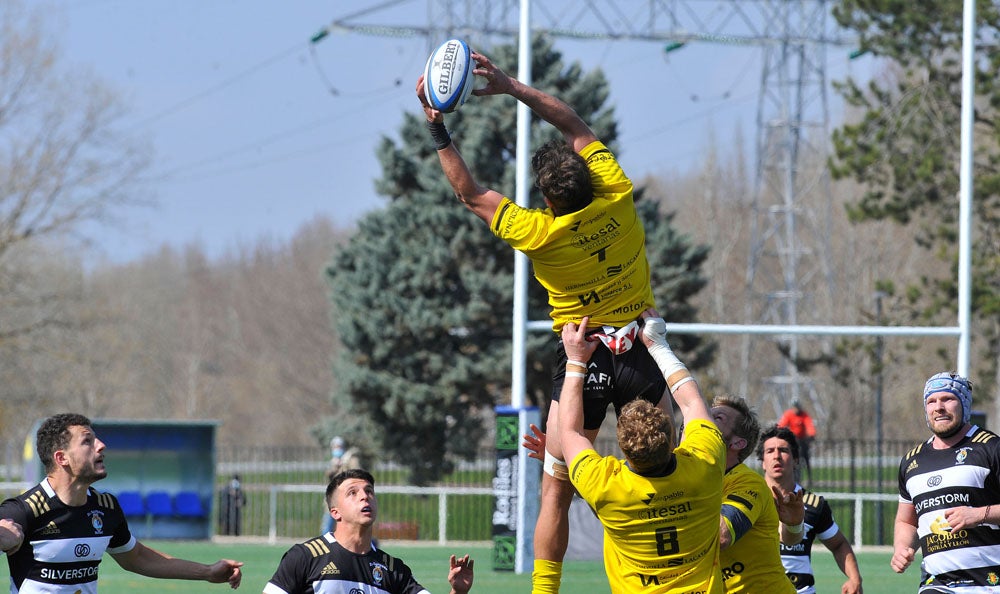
448, 77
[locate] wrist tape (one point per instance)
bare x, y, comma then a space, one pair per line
440, 135
670, 366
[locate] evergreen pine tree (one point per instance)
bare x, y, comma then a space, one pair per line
422, 293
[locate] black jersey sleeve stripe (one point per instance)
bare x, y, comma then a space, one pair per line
503, 211
738, 499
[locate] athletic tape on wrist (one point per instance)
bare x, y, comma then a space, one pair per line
440, 135
655, 329
579, 374
684, 380
577, 363
555, 467
797, 529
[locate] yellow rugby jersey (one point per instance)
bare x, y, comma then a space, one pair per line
661, 534
752, 564
593, 261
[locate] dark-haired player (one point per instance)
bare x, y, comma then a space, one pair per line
778, 452
345, 560
587, 248
68, 525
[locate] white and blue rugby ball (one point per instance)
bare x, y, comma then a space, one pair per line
448, 77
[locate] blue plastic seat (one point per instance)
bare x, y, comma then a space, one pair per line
188, 504
158, 503
131, 502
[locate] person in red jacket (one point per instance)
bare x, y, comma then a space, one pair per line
801, 425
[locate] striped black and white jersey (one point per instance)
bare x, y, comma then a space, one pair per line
967, 474
323, 566
819, 523
63, 545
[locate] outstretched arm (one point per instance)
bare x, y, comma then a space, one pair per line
843, 552
460, 574
681, 385
479, 199
535, 444
152, 563
575, 131
791, 513
578, 348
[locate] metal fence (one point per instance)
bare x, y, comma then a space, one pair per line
282, 493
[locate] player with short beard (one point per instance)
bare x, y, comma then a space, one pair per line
949, 495
755, 517
68, 525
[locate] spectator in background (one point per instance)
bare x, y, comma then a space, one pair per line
798, 421
231, 502
341, 458
778, 453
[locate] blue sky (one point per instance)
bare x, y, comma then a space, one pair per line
255, 130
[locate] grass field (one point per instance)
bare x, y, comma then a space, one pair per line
429, 564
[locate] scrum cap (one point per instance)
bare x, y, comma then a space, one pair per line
954, 384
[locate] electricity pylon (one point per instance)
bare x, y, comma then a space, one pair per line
787, 263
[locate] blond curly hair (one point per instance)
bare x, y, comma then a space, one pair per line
645, 435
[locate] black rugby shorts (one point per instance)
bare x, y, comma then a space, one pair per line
612, 380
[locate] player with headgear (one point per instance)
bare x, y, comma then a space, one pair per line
949, 496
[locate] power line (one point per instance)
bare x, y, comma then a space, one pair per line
220, 86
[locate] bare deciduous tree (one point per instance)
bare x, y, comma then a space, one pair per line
64, 163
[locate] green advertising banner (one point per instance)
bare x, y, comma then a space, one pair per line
515, 492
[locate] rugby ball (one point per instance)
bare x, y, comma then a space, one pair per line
448, 77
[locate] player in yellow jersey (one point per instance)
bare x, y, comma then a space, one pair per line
750, 528
660, 506
587, 248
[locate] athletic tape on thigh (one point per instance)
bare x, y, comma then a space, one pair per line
555, 467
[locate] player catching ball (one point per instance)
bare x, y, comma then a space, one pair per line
587, 248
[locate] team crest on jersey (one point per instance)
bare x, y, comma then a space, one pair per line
992, 579
962, 454
97, 520
378, 573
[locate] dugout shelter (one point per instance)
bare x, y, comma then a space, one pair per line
162, 471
